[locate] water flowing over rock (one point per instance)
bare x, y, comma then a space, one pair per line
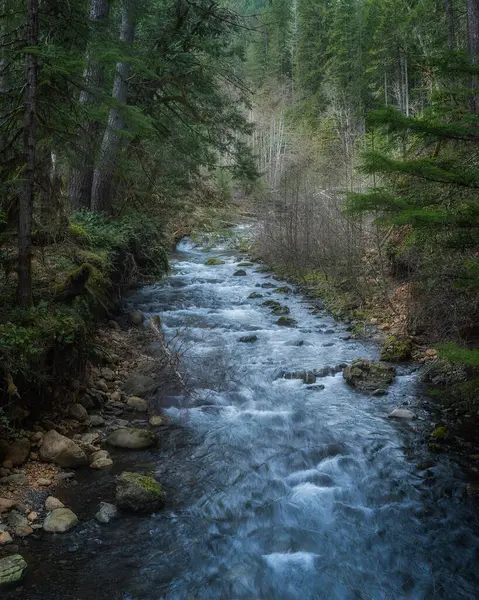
58, 449
368, 375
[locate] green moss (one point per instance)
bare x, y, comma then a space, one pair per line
439, 434
147, 483
396, 349
283, 290
214, 261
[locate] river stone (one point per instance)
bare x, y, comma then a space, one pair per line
322, 372
134, 439
62, 451
99, 454
12, 569
368, 375
106, 513
247, 339
136, 318
138, 493
23, 531
139, 385
5, 538
90, 438
78, 412
402, 413
156, 421
307, 377
96, 420
286, 322
52, 503
138, 404
6, 504
60, 520
17, 452
240, 273
101, 463
16, 519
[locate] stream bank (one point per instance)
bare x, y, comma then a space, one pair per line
275, 487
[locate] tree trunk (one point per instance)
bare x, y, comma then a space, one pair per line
24, 290
81, 177
473, 47
111, 144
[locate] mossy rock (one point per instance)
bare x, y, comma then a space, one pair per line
263, 270
240, 273
283, 290
245, 264
286, 322
255, 296
12, 569
397, 349
214, 261
268, 286
439, 434
139, 493
271, 304
368, 375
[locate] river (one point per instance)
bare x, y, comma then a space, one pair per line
275, 490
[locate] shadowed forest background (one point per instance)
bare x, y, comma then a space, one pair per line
348, 128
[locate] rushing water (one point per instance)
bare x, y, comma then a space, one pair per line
275, 491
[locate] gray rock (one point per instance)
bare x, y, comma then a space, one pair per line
134, 439
62, 451
16, 519
138, 404
136, 318
101, 463
138, 493
52, 503
60, 520
96, 421
323, 372
106, 513
12, 569
139, 385
306, 376
99, 454
17, 479
240, 273
18, 452
90, 438
402, 413
102, 385
247, 339
156, 421
78, 412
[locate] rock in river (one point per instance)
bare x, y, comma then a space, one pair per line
368, 375
60, 520
139, 385
12, 569
402, 413
106, 513
138, 493
62, 451
134, 439
247, 339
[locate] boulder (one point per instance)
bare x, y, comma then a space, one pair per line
156, 421
12, 569
268, 286
134, 439
18, 452
139, 385
106, 513
248, 339
214, 261
402, 413
138, 493
323, 372
52, 503
396, 349
136, 318
307, 377
60, 520
255, 296
101, 463
368, 375
286, 322
16, 519
239, 273
138, 404
78, 412
62, 451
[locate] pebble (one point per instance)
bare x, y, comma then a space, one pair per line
44, 482
52, 503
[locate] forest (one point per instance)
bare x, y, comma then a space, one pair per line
239, 299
